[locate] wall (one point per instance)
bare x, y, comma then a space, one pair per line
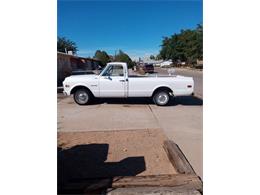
68, 63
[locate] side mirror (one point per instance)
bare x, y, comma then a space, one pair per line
108, 77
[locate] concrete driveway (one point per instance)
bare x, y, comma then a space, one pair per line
181, 120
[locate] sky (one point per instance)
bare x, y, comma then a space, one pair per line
136, 27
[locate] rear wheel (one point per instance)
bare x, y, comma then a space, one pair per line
82, 96
161, 98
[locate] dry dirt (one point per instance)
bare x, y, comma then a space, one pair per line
112, 153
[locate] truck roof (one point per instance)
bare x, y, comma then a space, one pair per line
122, 63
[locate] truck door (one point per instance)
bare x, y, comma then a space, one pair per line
112, 82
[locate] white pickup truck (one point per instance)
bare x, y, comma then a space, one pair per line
115, 82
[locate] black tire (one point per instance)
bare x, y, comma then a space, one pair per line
161, 98
82, 96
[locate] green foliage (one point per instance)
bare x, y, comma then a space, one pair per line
186, 46
64, 44
158, 57
123, 57
102, 56
152, 57
120, 57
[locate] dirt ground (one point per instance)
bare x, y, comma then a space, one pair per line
112, 153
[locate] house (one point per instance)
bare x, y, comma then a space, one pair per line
167, 63
149, 61
199, 64
67, 63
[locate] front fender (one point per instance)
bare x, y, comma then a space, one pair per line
69, 89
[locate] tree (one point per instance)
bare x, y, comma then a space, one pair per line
123, 57
158, 57
184, 46
120, 57
152, 57
102, 56
64, 45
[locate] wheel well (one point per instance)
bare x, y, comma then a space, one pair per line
80, 87
162, 89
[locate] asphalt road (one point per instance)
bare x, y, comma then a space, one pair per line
181, 120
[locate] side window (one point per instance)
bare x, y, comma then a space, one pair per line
117, 70
114, 70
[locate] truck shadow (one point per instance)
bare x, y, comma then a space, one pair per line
82, 169
181, 100
186, 101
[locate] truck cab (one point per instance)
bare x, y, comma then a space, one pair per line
113, 80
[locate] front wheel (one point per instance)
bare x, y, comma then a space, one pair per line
161, 98
82, 96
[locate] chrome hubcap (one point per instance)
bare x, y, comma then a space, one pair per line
162, 98
82, 97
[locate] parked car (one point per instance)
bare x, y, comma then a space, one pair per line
114, 81
166, 64
148, 68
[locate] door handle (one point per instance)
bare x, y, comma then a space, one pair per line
122, 80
